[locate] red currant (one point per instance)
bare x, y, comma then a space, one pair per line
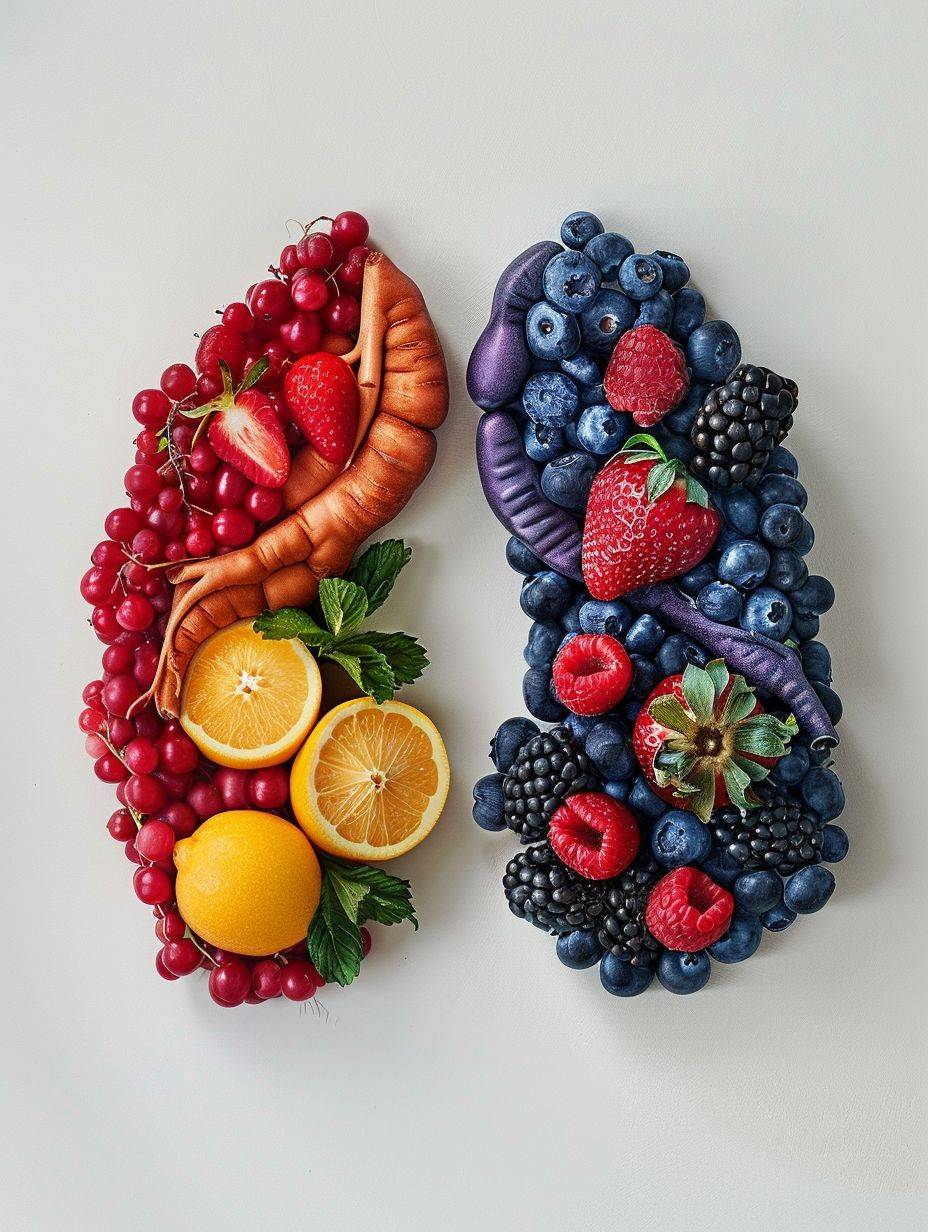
204, 800
265, 979
121, 826
122, 524
177, 753
264, 503
289, 262
238, 317
105, 624
178, 382
233, 528
108, 553
155, 840
182, 956
349, 229
140, 756
269, 788
152, 885
135, 613
342, 315
142, 482
161, 968
230, 487
99, 584
199, 543
203, 460
298, 980
180, 817
314, 251
308, 291
119, 693
147, 546
230, 982
232, 786
151, 407
269, 300
302, 333
145, 793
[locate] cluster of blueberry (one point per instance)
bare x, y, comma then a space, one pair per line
756, 577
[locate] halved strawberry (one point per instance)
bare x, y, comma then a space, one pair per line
321, 391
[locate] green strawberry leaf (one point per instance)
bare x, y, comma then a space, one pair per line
695, 493
377, 568
739, 703
254, 374
661, 478
289, 622
753, 769
737, 783
763, 735
651, 443
719, 675
404, 655
343, 603
702, 795
699, 692
670, 713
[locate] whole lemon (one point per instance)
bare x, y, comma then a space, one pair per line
247, 882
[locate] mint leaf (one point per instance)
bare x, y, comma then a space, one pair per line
346, 889
377, 568
334, 939
344, 605
404, 655
289, 622
367, 668
383, 898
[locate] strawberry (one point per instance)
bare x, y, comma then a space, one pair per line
322, 393
647, 520
703, 738
220, 342
646, 375
687, 911
594, 835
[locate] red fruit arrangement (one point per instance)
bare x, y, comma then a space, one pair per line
304, 425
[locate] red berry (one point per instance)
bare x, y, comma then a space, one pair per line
178, 382
591, 673
204, 800
142, 482
238, 317
140, 756
135, 613
269, 788
117, 659
646, 375
105, 624
121, 731
595, 835
177, 754
203, 459
122, 524
161, 968
232, 786
342, 315
230, 982
146, 545
181, 957
308, 291
145, 663
289, 261
314, 251
302, 333
121, 826
152, 885
230, 487
99, 584
108, 553
233, 528
298, 980
145, 793
264, 503
351, 274
688, 911
220, 342
349, 229
179, 815
269, 300
155, 840
265, 979
119, 693
199, 543
365, 941
151, 407
277, 355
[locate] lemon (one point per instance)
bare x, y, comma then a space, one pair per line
371, 781
248, 701
248, 882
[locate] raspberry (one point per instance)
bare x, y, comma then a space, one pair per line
594, 835
646, 375
688, 911
591, 673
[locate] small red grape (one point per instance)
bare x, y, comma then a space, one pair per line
265, 979
152, 885
289, 261
119, 694
232, 786
142, 482
269, 300
233, 528
151, 407
349, 229
155, 840
204, 800
298, 980
177, 753
181, 956
230, 982
238, 317
145, 793
264, 503
302, 333
161, 968
122, 524
99, 584
314, 251
109, 553
308, 291
269, 788
342, 315
178, 382
140, 756
203, 460
121, 826
230, 487
135, 613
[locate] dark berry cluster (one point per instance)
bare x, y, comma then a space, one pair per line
547, 770
740, 424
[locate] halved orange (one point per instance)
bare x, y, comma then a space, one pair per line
248, 701
371, 781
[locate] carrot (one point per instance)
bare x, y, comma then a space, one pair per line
403, 386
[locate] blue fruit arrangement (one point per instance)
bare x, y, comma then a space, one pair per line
673, 789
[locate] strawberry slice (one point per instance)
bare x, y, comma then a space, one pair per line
321, 391
247, 434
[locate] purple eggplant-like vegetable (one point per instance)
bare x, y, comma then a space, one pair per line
500, 361
513, 492
762, 661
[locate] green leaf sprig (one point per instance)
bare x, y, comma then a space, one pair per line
378, 663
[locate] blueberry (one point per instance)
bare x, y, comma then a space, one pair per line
603, 431
782, 462
541, 442
642, 799
726, 538
581, 725
676, 270
712, 351
817, 595
742, 510
611, 617
623, 979
608, 749
551, 334
822, 791
609, 250
579, 950
684, 973
805, 626
835, 844
744, 564
619, 791
757, 892
570, 281
522, 558
678, 651
782, 490
683, 416
570, 621
657, 311
722, 868
689, 312
579, 228
488, 802
780, 525
544, 638
778, 918
593, 395
546, 595
674, 445
644, 636
720, 601
538, 696
788, 571
805, 539
582, 368
816, 662
644, 677
792, 768
608, 316
680, 838
767, 612
741, 940
809, 889
566, 481
550, 398
509, 738
640, 276
693, 581
629, 708
571, 440
829, 699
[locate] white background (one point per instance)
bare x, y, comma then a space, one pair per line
154, 153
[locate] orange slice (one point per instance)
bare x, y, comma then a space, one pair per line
371, 781
247, 701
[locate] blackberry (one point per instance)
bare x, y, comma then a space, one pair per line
620, 923
780, 835
740, 424
546, 892
549, 768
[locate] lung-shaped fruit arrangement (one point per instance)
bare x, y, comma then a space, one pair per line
236, 570
673, 787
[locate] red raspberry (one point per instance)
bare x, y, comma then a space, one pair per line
594, 835
591, 673
688, 911
646, 375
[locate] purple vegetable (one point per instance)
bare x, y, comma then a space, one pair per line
762, 661
513, 492
500, 361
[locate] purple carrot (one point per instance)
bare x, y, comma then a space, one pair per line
510, 484
500, 361
762, 661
